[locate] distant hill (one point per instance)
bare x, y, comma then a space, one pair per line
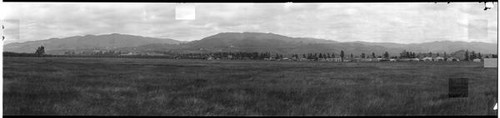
262, 42
440, 46
244, 42
109, 41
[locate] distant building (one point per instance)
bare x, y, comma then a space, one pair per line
427, 59
439, 59
210, 58
286, 59
404, 60
337, 59
128, 54
322, 59
415, 59
366, 59
452, 59
476, 60
303, 59
377, 59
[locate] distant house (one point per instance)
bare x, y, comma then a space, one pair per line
366, 60
452, 59
155, 54
427, 59
384, 59
392, 60
210, 58
476, 60
356, 59
337, 59
321, 59
377, 59
286, 59
128, 54
439, 59
415, 59
405, 59
329, 59
303, 59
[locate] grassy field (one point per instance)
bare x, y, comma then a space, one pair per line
121, 86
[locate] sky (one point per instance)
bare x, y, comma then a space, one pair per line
345, 22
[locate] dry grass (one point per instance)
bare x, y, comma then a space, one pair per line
120, 86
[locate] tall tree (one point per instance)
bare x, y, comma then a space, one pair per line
352, 56
386, 54
373, 55
473, 55
403, 54
362, 55
342, 55
40, 51
467, 55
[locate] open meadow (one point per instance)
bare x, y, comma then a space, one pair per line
132, 86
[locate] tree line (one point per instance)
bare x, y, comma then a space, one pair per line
469, 55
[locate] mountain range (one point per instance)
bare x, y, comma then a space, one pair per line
236, 41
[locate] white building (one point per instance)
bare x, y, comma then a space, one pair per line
415, 59
452, 59
439, 59
476, 60
427, 59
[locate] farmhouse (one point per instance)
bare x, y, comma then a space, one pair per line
303, 59
476, 60
452, 59
366, 60
427, 59
405, 59
130, 53
439, 59
415, 59
322, 59
392, 59
210, 58
377, 59
337, 59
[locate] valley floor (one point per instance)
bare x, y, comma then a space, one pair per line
126, 86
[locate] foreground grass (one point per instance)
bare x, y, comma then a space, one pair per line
119, 86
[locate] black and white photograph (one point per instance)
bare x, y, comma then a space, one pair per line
250, 59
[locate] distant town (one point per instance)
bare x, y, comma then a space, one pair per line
404, 56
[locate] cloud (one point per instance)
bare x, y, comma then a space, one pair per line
373, 22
